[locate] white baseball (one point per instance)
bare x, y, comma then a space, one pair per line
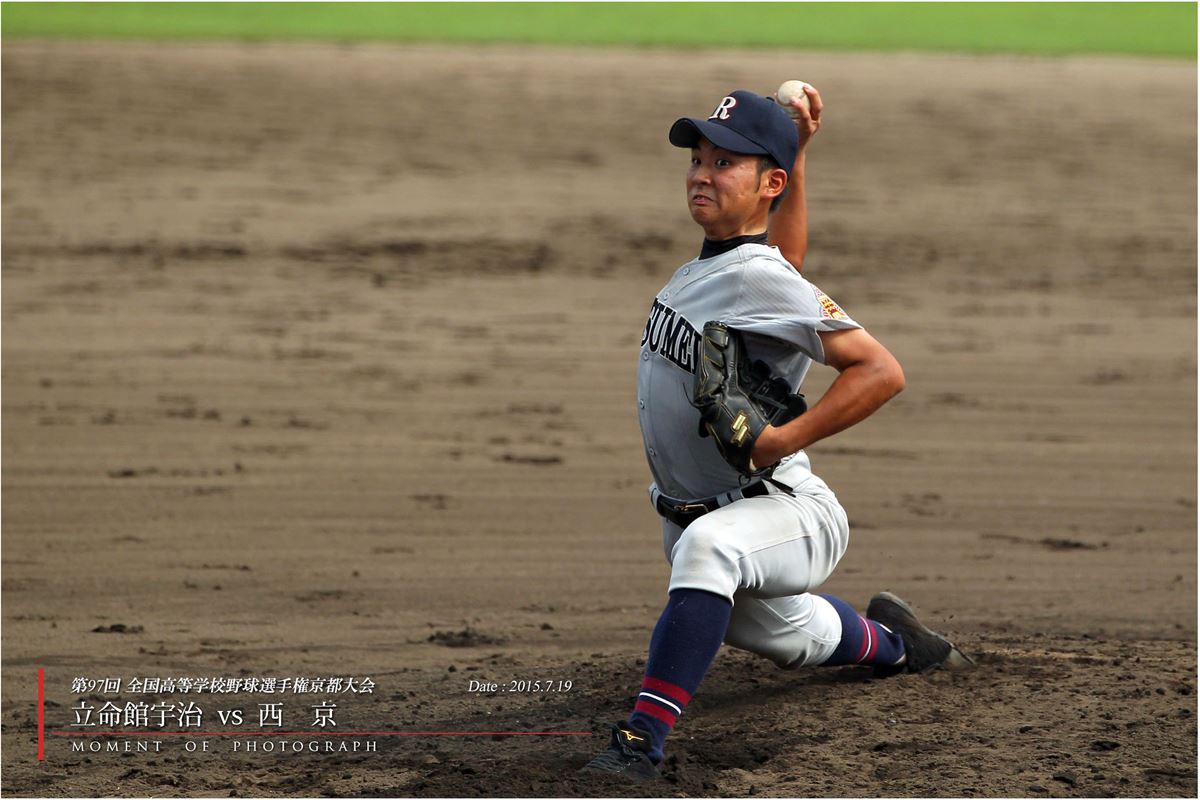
789, 91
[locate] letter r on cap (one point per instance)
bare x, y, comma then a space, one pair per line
724, 108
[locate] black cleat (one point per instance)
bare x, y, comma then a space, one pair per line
924, 649
626, 755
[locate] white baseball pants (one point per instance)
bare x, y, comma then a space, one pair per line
766, 554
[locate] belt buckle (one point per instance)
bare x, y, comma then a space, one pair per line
688, 508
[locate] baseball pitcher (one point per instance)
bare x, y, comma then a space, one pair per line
749, 530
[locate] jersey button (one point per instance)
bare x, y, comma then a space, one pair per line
687, 270
651, 452
645, 355
641, 403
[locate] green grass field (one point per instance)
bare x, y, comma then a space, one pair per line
1147, 29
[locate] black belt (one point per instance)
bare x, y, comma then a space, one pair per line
685, 513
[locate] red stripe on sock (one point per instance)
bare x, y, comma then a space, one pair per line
874, 641
669, 689
658, 712
862, 653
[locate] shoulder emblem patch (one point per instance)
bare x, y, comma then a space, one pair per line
829, 309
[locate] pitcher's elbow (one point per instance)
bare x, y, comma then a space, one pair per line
895, 378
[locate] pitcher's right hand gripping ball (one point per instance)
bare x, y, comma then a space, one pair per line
737, 399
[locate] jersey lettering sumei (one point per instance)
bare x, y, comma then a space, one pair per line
751, 288
671, 336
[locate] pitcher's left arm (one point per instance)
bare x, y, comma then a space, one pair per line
869, 376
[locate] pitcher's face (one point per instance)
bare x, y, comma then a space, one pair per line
726, 190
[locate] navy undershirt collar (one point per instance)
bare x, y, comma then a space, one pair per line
712, 248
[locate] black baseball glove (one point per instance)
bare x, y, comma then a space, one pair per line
737, 399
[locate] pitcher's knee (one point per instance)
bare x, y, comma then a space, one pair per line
777, 651
792, 632
786, 648
705, 557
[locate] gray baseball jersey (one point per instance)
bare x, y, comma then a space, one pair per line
751, 288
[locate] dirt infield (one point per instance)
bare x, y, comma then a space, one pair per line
319, 361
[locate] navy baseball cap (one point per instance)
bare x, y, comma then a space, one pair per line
744, 122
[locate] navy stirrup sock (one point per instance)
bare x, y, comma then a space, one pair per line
864, 641
685, 642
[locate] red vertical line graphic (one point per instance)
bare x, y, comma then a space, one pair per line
41, 714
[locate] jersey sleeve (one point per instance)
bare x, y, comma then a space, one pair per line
774, 300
